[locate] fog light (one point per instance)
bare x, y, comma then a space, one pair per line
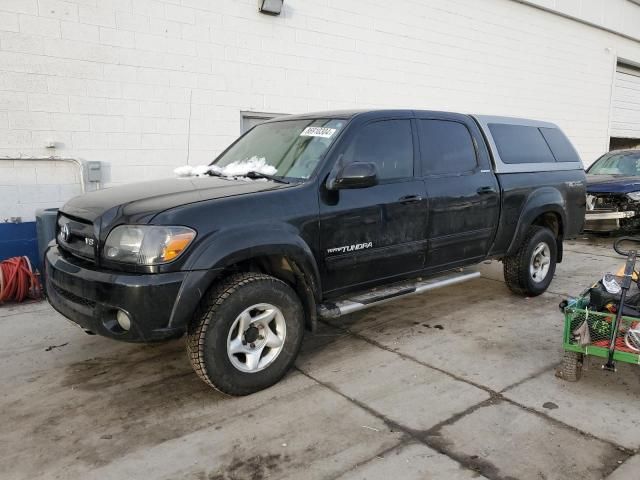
123, 320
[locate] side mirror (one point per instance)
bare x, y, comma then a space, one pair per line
356, 175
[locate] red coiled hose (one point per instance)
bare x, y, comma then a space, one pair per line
17, 280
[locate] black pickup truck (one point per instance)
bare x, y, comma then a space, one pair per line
356, 208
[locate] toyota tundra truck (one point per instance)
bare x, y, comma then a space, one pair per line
356, 208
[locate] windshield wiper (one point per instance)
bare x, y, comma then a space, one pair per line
253, 174
212, 173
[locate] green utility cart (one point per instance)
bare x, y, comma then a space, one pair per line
600, 329
611, 329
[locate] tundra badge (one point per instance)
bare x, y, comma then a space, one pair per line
350, 248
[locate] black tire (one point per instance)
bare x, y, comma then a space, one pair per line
209, 331
517, 274
571, 370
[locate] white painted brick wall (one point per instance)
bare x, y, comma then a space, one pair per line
119, 81
27, 185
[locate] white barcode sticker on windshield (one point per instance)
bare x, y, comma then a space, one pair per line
318, 132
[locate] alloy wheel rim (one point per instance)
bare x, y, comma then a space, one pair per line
256, 337
540, 262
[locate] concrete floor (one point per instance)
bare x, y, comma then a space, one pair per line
454, 384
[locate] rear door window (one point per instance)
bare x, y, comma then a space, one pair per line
520, 144
446, 147
388, 144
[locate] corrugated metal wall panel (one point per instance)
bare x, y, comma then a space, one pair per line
625, 121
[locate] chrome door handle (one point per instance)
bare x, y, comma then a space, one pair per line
410, 199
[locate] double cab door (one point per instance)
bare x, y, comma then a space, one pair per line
374, 234
435, 206
463, 192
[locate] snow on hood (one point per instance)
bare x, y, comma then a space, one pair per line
234, 169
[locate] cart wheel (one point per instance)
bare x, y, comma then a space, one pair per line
571, 366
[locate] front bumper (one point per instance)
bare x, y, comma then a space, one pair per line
605, 221
91, 298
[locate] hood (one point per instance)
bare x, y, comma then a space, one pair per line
140, 201
612, 184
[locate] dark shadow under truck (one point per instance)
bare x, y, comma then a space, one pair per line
363, 207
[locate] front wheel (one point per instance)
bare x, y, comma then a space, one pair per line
246, 334
530, 270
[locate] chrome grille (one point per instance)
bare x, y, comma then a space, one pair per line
76, 236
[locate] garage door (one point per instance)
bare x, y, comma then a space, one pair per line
625, 121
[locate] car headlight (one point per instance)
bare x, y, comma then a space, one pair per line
146, 244
635, 196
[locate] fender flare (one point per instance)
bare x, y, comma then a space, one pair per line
540, 201
227, 247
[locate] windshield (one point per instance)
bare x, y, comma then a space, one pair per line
290, 148
617, 164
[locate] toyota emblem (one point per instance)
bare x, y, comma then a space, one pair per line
64, 232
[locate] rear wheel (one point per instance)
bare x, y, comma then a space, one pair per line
246, 334
530, 270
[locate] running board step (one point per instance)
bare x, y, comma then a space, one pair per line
382, 295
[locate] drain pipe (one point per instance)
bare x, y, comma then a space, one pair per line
79, 163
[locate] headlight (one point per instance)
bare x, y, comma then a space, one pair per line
635, 196
146, 244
